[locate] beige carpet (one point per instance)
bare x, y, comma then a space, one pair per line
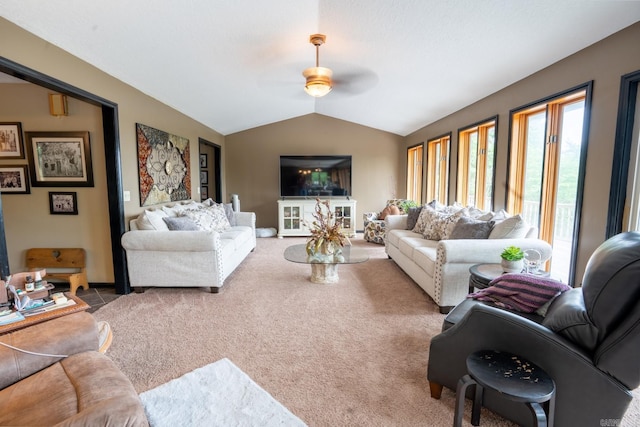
353, 353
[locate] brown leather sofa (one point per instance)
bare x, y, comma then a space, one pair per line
85, 388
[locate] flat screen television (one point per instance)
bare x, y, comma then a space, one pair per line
315, 176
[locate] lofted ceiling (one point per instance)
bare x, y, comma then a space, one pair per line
398, 65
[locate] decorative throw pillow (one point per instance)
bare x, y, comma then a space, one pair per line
230, 214
389, 210
152, 220
209, 219
180, 223
511, 228
412, 216
436, 223
423, 218
469, 228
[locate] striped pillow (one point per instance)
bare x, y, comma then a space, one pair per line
520, 292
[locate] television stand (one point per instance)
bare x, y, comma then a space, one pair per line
292, 212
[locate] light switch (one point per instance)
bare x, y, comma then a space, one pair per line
126, 195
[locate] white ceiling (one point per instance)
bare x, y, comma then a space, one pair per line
398, 65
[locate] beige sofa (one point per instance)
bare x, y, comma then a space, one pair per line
84, 389
441, 267
160, 257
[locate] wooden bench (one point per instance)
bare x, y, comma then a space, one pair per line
73, 259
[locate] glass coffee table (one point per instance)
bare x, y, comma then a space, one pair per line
325, 270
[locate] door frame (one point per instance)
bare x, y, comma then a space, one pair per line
629, 84
217, 162
110, 129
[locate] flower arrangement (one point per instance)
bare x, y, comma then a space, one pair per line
326, 230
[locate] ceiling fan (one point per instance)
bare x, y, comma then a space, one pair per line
318, 78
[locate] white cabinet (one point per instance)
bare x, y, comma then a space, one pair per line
292, 212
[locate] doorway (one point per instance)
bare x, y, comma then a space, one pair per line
112, 159
210, 170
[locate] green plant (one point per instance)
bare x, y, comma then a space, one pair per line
407, 204
512, 253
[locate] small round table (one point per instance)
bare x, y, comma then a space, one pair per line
514, 377
325, 271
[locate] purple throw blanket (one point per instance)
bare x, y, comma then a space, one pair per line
521, 292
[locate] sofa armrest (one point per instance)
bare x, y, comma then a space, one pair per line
476, 251
394, 222
66, 335
171, 241
247, 219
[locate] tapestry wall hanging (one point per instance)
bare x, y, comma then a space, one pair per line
164, 165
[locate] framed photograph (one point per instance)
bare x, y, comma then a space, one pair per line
59, 159
204, 177
204, 192
11, 140
63, 203
203, 161
14, 179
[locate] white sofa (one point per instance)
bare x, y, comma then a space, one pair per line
195, 258
441, 267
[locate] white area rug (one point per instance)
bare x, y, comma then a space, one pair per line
218, 394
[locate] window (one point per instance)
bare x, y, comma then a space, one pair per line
546, 170
414, 173
438, 169
476, 165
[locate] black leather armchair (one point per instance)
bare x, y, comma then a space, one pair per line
589, 341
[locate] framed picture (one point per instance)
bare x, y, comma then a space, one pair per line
63, 203
11, 140
59, 159
204, 192
203, 161
204, 177
14, 179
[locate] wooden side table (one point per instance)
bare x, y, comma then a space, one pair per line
514, 377
80, 305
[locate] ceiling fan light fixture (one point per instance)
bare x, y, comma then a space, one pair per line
318, 78
318, 81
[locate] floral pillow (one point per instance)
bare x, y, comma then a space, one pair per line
438, 224
209, 218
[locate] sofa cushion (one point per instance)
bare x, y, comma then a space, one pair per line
412, 216
511, 228
469, 228
238, 235
408, 244
425, 257
152, 220
394, 236
209, 218
439, 224
180, 223
568, 316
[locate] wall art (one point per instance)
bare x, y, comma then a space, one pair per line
14, 179
164, 166
63, 203
11, 140
59, 159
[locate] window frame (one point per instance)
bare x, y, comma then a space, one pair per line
462, 181
415, 166
442, 141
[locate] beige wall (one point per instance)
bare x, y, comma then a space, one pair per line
604, 63
252, 162
28, 222
133, 107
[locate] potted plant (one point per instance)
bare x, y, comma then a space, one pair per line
512, 259
327, 237
407, 204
